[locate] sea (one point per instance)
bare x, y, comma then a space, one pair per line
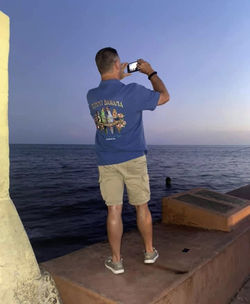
56, 192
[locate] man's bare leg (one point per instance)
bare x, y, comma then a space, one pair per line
115, 230
144, 223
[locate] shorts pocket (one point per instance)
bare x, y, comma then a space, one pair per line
145, 179
138, 167
138, 189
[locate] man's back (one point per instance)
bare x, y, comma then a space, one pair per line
117, 111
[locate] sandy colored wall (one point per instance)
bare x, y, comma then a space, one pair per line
4, 131
21, 281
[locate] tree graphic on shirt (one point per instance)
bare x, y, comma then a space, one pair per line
107, 119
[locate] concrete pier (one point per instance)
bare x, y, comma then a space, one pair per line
196, 266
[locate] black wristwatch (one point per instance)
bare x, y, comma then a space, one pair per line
152, 74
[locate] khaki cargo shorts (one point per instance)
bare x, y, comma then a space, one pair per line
133, 173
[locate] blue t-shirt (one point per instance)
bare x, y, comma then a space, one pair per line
117, 112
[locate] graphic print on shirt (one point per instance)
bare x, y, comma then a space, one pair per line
107, 118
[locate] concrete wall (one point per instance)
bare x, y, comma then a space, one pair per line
4, 132
21, 281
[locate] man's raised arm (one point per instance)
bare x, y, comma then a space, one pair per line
158, 85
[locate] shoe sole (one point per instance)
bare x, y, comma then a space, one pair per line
115, 271
151, 261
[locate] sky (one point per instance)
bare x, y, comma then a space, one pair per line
200, 50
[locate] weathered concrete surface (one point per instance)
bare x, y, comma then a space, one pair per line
4, 130
21, 281
242, 192
210, 272
205, 209
243, 295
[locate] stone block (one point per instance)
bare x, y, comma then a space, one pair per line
205, 209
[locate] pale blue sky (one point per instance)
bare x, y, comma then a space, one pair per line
199, 48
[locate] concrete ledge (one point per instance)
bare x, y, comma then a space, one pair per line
243, 295
217, 279
242, 192
211, 271
74, 293
205, 209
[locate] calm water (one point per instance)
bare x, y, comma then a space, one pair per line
55, 188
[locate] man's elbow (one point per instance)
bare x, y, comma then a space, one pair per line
164, 98
167, 98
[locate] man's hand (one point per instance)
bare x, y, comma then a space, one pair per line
144, 67
123, 74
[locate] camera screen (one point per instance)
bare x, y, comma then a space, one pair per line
133, 66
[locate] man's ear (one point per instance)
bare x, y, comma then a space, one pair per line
117, 64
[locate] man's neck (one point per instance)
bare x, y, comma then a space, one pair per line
109, 76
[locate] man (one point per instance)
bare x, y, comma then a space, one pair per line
120, 147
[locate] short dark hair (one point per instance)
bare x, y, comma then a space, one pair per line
105, 59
